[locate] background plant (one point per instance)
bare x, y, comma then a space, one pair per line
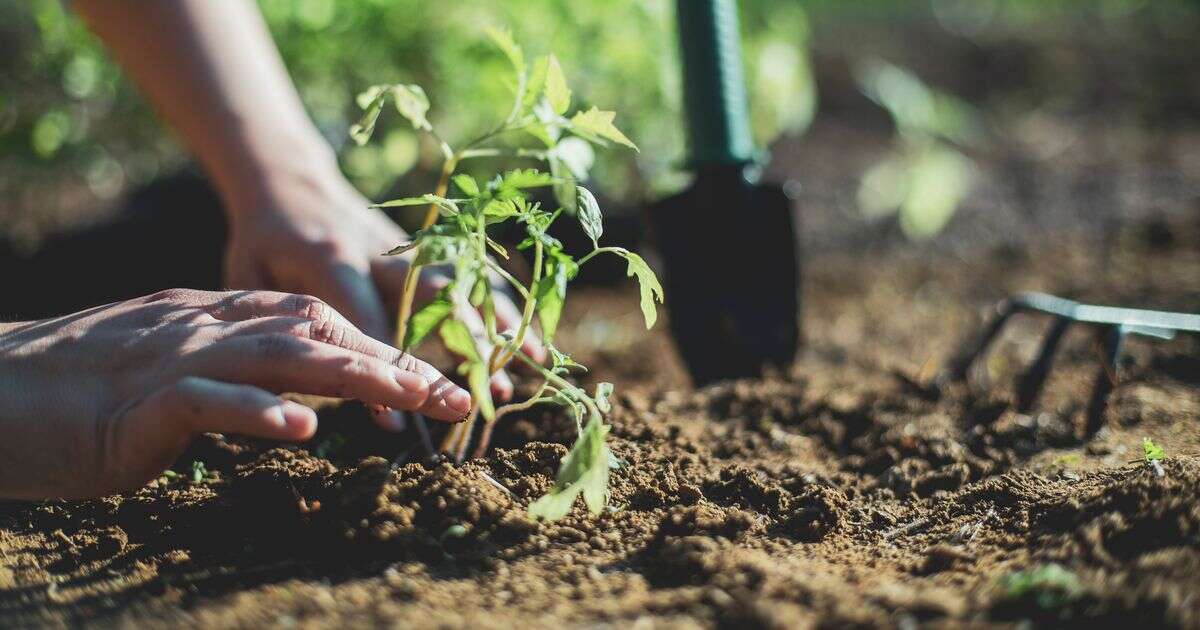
536, 128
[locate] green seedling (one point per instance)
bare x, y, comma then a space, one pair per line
200, 472
1050, 587
454, 233
1152, 454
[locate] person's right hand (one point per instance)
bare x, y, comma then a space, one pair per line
104, 400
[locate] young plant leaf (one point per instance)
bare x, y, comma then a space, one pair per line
439, 249
479, 382
467, 184
1153, 452
504, 41
584, 470
560, 360
549, 306
535, 82
589, 215
648, 286
558, 95
458, 339
564, 185
427, 318
361, 131
412, 104
603, 393
599, 123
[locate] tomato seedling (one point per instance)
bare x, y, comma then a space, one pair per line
455, 233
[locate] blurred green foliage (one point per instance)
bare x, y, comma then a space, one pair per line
65, 110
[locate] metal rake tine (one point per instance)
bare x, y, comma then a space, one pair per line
1113, 339
957, 369
1029, 386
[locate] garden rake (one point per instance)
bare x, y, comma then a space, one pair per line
1112, 326
728, 243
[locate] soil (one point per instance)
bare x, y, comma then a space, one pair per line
847, 492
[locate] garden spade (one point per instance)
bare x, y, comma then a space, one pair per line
728, 242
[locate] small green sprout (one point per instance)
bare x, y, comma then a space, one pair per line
454, 233
1050, 587
199, 471
1153, 452
168, 476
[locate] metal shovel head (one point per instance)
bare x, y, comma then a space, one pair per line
731, 274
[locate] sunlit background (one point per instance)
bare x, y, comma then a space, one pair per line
960, 121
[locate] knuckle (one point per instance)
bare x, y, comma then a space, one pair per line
172, 295
327, 331
407, 362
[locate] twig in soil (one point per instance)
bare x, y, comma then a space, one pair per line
499, 485
967, 532
906, 529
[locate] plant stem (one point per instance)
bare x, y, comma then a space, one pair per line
530, 305
597, 251
414, 270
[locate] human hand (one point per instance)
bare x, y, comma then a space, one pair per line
106, 399
317, 235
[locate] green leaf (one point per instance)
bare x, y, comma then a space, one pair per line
427, 318
1152, 451
584, 470
648, 285
498, 248
589, 215
522, 178
549, 306
412, 104
507, 45
603, 392
535, 82
598, 122
439, 249
564, 185
400, 249
560, 359
557, 92
467, 184
447, 206
458, 339
479, 381
361, 131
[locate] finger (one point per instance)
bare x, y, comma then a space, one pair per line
508, 318
390, 419
349, 289
148, 437
246, 305
282, 362
323, 325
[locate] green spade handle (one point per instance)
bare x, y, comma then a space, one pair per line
714, 87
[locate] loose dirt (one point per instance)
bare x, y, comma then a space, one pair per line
847, 492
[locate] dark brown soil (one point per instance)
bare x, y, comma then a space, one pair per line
846, 493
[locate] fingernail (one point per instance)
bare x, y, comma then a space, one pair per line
459, 400
293, 414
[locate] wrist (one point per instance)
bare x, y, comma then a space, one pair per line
250, 178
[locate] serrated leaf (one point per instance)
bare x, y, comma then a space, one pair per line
535, 82
558, 95
589, 215
648, 286
507, 45
603, 393
467, 184
522, 178
427, 318
598, 122
584, 470
412, 104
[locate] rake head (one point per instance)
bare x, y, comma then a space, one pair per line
1112, 326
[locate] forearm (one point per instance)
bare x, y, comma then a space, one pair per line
212, 71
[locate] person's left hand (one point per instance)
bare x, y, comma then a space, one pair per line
318, 236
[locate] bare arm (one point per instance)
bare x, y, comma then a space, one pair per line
212, 71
